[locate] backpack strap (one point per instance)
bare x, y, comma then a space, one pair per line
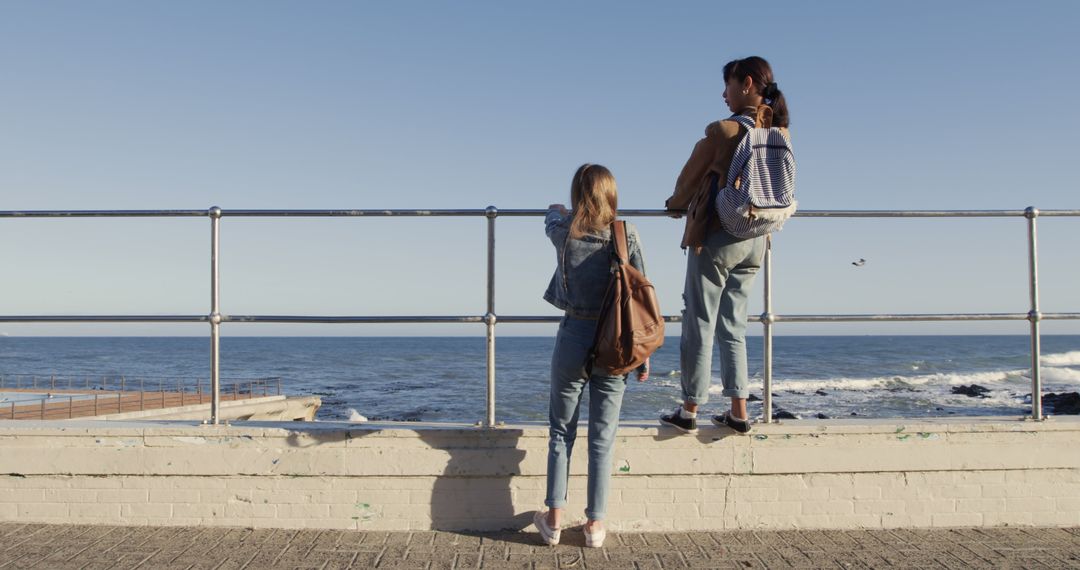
618, 235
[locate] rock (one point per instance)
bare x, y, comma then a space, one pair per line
753, 398
1066, 403
973, 391
821, 393
783, 414
902, 389
854, 413
821, 416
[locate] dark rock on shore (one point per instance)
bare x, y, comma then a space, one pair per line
901, 389
973, 391
1066, 403
782, 414
753, 398
822, 416
821, 393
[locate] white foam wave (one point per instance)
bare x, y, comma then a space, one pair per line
354, 416
1063, 375
988, 379
1071, 358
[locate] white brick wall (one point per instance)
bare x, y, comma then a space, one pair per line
408, 477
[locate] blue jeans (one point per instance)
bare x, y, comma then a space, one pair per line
605, 399
718, 282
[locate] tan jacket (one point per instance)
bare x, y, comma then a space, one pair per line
711, 156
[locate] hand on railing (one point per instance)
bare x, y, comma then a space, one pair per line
561, 209
643, 371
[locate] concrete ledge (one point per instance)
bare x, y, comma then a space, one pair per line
406, 476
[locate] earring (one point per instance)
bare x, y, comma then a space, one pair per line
745, 91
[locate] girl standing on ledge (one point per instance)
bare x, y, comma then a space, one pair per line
720, 267
583, 249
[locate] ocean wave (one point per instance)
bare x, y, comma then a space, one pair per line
903, 382
1071, 358
1064, 375
354, 416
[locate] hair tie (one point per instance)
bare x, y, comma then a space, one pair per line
770, 91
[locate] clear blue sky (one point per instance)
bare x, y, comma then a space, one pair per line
908, 105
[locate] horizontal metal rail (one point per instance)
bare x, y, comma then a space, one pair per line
215, 318
348, 319
511, 319
104, 318
483, 212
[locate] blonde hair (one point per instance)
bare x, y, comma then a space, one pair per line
594, 199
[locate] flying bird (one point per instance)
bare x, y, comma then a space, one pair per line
861, 262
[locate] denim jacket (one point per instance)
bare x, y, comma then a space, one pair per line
584, 266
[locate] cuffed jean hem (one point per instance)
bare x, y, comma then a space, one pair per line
695, 401
555, 504
735, 393
594, 516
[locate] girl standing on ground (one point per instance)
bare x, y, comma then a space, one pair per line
720, 268
584, 252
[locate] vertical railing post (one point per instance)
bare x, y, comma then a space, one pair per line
767, 322
1034, 316
489, 318
215, 316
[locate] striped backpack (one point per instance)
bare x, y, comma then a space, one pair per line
760, 192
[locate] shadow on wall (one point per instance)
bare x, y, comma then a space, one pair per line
475, 490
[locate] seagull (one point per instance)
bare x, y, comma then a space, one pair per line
861, 262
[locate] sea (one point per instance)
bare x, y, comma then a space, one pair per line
443, 379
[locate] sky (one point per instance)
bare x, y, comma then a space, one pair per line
425, 105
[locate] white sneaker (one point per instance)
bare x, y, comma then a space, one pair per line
595, 539
549, 535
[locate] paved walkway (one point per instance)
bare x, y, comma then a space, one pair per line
61, 547
66, 404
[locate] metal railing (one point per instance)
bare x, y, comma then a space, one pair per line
490, 317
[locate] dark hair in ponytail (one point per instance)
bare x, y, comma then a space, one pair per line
759, 70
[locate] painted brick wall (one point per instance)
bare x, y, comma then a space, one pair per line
934, 473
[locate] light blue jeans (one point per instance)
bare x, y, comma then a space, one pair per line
718, 282
605, 399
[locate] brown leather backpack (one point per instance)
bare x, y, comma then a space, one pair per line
631, 326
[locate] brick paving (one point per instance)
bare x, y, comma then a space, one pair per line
80, 547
